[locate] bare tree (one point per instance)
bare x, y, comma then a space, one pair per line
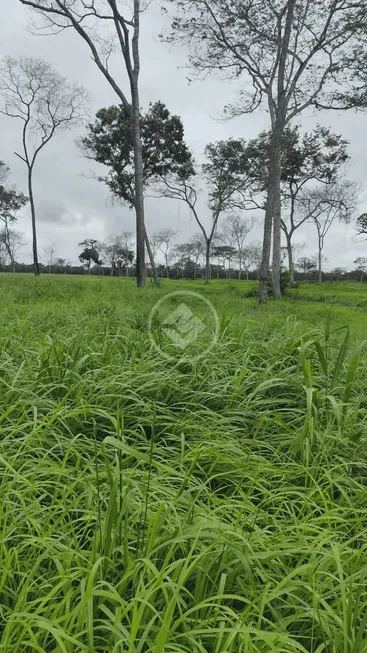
163, 241
236, 229
324, 206
50, 251
11, 241
291, 55
92, 21
43, 101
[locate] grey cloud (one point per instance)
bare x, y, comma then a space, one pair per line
71, 207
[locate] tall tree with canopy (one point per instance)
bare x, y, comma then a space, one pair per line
106, 27
45, 104
109, 140
290, 55
313, 160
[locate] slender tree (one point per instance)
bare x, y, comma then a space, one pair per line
290, 55
235, 230
45, 104
324, 206
92, 21
50, 252
163, 239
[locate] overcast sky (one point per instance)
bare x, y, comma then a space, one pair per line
71, 207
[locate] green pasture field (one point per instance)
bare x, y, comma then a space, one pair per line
169, 505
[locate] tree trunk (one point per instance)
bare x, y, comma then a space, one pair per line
239, 267
34, 230
277, 236
272, 207
112, 268
207, 262
151, 258
127, 270
290, 257
320, 264
139, 185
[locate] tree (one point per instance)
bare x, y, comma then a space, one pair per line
291, 55
11, 201
50, 251
163, 240
109, 140
361, 265
91, 21
313, 160
251, 257
45, 104
90, 253
361, 225
236, 229
11, 241
306, 264
125, 257
326, 205
224, 174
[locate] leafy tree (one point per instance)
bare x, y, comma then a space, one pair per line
306, 264
361, 265
45, 104
226, 253
90, 253
226, 182
361, 225
125, 258
110, 140
290, 56
313, 160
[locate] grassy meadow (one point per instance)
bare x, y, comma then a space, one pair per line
158, 506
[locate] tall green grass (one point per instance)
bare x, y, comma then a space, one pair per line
148, 506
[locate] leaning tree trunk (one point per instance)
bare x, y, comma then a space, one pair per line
34, 229
151, 258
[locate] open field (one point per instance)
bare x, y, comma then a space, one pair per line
214, 506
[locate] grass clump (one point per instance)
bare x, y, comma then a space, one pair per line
148, 506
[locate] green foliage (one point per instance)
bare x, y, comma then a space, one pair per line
205, 508
317, 156
109, 140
